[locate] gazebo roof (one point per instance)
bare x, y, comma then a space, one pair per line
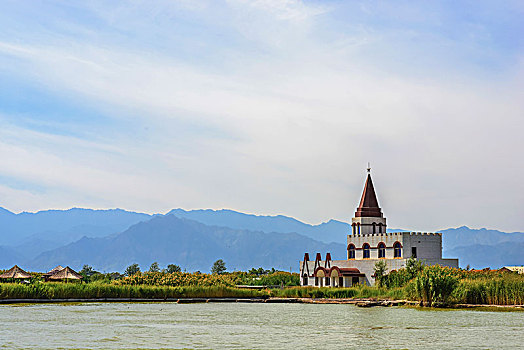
53, 271
15, 272
66, 273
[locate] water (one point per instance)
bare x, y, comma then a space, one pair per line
254, 326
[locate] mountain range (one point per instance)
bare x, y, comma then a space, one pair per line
110, 240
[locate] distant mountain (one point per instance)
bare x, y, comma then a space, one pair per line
482, 248
190, 244
465, 236
9, 257
40, 242
51, 225
480, 256
331, 231
27, 235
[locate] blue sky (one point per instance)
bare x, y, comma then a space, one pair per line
267, 107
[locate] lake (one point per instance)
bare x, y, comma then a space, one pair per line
254, 326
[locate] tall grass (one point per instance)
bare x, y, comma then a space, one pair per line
335, 293
57, 290
496, 291
202, 279
433, 285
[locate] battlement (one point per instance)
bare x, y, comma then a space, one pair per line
392, 234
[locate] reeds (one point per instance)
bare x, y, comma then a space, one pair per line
58, 290
433, 285
359, 291
507, 290
202, 279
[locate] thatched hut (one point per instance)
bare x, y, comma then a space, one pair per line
65, 274
52, 272
15, 273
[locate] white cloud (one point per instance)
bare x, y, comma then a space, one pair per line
285, 128
284, 9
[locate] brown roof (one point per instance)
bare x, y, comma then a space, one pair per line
15, 272
53, 271
343, 271
349, 270
368, 206
67, 273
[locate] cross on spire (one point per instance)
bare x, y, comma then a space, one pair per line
369, 168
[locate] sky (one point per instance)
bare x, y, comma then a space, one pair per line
266, 107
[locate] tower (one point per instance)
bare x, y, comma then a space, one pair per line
368, 217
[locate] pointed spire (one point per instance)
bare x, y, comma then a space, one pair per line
368, 206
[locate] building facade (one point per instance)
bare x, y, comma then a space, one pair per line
368, 243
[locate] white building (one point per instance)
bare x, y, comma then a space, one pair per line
518, 269
368, 243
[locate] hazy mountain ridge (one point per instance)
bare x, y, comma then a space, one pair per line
75, 228
494, 256
9, 257
190, 244
16, 228
330, 231
462, 236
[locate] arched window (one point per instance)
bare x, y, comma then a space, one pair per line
374, 227
354, 228
381, 250
358, 227
304, 280
380, 228
351, 251
365, 251
397, 248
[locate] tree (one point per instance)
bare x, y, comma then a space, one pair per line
132, 269
154, 267
219, 267
380, 272
87, 271
413, 267
258, 272
172, 268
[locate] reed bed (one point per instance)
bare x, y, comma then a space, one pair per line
431, 285
58, 290
336, 293
178, 279
232, 279
507, 290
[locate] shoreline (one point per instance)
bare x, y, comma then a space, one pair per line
359, 302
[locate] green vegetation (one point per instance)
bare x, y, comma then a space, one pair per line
54, 290
358, 291
132, 270
172, 268
276, 278
430, 285
154, 267
437, 285
227, 279
380, 271
219, 267
434, 285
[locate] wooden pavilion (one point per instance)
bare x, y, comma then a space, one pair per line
66, 273
52, 272
15, 273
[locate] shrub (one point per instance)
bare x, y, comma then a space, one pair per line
434, 284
